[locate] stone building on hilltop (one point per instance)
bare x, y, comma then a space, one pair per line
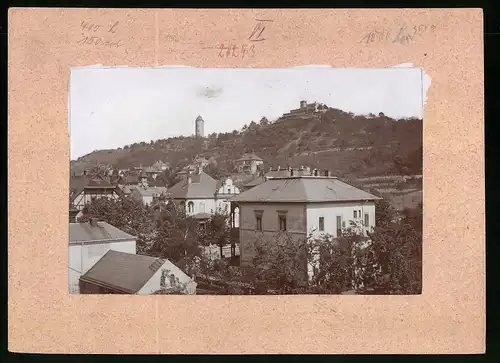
306, 110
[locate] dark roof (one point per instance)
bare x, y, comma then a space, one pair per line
202, 186
255, 182
85, 232
126, 272
98, 182
150, 191
77, 184
303, 189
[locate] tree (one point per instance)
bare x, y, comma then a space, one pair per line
264, 121
280, 265
398, 251
252, 126
384, 213
176, 236
127, 214
218, 230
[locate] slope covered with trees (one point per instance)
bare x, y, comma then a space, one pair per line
342, 142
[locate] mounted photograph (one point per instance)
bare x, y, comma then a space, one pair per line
246, 181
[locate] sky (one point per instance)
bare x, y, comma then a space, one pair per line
114, 107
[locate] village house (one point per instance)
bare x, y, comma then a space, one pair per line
201, 196
300, 205
83, 191
198, 162
127, 273
147, 194
88, 242
156, 169
160, 165
225, 191
196, 194
249, 164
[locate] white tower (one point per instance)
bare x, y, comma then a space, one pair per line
199, 126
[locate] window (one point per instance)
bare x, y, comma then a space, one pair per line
190, 207
282, 222
282, 219
321, 223
355, 214
258, 219
259, 223
339, 226
367, 219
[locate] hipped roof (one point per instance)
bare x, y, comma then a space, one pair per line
303, 190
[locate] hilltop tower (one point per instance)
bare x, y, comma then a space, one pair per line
199, 124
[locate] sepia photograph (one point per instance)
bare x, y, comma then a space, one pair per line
246, 181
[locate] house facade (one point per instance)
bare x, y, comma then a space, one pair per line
249, 163
94, 189
127, 273
201, 196
301, 206
88, 242
147, 194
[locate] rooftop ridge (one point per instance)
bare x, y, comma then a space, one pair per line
302, 177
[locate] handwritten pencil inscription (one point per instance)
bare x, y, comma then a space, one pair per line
405, 35
235, 50
95, 34
257, 32
246, 48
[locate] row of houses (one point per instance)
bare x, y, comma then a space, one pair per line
301, 201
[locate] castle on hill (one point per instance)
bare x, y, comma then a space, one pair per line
306, 110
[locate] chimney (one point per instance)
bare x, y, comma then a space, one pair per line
189, 179
291, 172
279, 168
93, 222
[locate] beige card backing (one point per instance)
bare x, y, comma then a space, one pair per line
449, 316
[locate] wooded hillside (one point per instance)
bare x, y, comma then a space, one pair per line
342, 142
